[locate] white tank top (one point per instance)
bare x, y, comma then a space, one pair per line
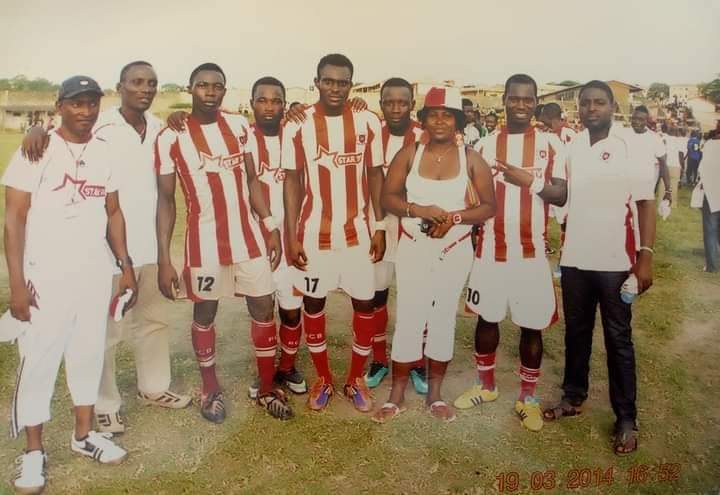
448, 194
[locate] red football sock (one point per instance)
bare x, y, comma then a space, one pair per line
289, 343
528, 381
486, 369
203, 341
265, 342
363, 330
317, 344
379, 340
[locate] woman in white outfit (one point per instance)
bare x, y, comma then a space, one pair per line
429, 186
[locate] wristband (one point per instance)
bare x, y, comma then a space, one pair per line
456, 218
270, 223
380, 224
668, 192
538, 184
648, 249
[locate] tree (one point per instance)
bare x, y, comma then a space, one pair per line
566, 82
171, 88
22, 83
711, 90
658, 91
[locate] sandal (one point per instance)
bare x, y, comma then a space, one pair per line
387, 412
440, 410
561, 410
625, 441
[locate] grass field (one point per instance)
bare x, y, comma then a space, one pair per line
677, 337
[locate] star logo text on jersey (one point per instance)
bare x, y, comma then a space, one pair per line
278, 174
81, 186
337, 160
220, 162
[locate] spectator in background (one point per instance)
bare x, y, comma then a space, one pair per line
709, 177
491, 122
471, 135
480, 124
675, 160
694, 155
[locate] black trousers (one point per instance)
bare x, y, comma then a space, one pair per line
691, 171
582, 291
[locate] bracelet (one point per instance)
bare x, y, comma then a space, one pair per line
668, 192
407, 210
645, 248
270, 223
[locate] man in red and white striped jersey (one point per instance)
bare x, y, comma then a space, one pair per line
224, 248
510, 269
551, 116
398, 130
268, 104
339, 154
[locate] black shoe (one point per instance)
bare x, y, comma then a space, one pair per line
212, 407
293, 380
275, 403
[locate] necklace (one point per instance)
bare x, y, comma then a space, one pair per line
79, 162
438, 158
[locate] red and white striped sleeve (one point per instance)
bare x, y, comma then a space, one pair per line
292, 156
558, 155
374, 156
164, 144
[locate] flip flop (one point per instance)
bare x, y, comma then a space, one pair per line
388, 411
561, 410
440, 410
625, 441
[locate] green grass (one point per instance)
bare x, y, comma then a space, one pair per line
676, 332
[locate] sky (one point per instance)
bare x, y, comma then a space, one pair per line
635, 41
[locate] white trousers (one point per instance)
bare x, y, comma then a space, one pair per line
430, 278
70, 323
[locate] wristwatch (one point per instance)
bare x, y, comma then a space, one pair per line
122, 263
457, 218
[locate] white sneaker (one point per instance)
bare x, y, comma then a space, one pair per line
30, 476
99, 447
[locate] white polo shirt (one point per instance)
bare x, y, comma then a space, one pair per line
601, 184
135, 178
67, 221
645, 150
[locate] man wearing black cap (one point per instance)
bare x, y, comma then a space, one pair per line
130, 131
60, 215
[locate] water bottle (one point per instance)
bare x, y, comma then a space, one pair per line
664, 209
629, 289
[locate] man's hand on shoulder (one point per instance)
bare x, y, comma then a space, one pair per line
35, 143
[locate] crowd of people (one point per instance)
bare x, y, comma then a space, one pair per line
313, 200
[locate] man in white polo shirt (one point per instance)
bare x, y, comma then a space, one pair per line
130, 131
647, 150
598, 256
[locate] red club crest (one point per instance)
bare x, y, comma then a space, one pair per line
542, 154
605, 156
